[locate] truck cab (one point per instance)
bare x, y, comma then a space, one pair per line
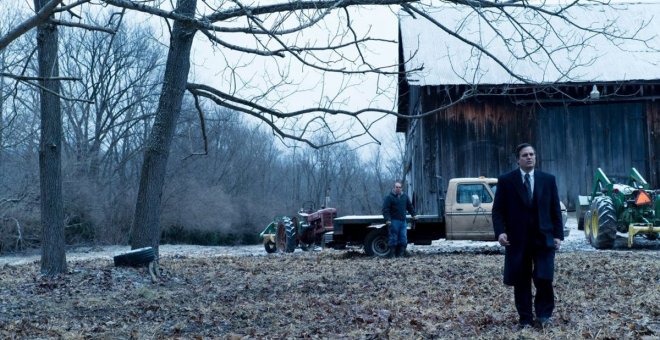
468, 208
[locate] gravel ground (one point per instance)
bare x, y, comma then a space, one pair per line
575, 242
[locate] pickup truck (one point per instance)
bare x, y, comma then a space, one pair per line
465, 215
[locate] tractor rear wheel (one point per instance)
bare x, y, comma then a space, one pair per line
375, 244
587, 226
291, 235
603, 223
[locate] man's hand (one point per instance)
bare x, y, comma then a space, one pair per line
503, 240
557, 243
387, 223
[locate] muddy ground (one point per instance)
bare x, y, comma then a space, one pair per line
436, 293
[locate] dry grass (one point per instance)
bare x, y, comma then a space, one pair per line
329, 295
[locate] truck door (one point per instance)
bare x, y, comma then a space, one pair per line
467, 221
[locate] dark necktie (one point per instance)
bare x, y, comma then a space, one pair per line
528, 186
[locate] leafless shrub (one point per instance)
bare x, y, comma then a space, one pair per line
19, 223
198, 206
97, 213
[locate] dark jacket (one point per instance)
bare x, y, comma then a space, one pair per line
530, 227
394, 207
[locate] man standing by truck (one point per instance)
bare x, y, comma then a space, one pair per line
395, 205
527, 221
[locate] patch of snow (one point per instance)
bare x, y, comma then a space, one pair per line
574, 242
165, 250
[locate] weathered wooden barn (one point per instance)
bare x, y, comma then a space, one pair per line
592, 103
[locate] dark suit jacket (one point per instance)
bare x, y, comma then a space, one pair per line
530, 228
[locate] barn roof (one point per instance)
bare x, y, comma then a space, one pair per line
577, 56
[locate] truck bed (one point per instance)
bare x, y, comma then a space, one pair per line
352, 229
379, 218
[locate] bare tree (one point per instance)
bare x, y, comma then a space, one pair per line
53, 258
2, 104
7, 62
120, 75
146, 226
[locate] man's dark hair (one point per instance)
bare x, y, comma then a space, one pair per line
522, 146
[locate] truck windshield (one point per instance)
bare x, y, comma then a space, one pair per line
464, 193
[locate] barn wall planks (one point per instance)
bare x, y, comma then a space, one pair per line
477, 139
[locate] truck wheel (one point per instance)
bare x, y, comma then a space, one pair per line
291, 234
603, 223
375, 244
587, 226
270, 247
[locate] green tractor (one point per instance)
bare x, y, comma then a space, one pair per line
631, 208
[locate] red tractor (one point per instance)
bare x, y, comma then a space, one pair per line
285, 233
313, 225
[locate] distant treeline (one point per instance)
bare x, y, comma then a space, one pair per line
222, 195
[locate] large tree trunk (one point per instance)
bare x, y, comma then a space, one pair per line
146, 225
53, 257
2, 104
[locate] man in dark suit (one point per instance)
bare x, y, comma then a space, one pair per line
527, 221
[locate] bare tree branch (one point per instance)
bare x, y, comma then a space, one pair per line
41, 87
71, 6
17, 77
217, 95
196, 90
467, 42
202, 124
239, 48
240, 11
85, 26
33, 21
296, 6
